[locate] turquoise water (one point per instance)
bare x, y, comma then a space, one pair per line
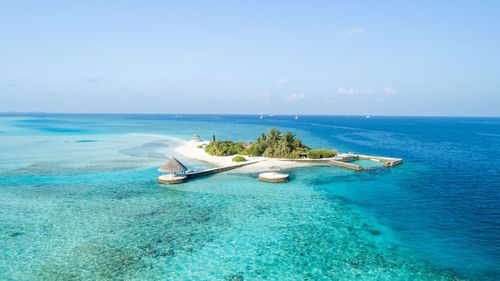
79, 200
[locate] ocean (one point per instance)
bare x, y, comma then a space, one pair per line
79, 200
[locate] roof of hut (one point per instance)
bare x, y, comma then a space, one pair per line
172, 166
247, 144
274, 168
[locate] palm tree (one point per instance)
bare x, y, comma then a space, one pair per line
285, 146
288, 140
274, 136
298, 145
262, 138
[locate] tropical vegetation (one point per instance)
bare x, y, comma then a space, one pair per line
320, 153
239, 159
224, 148
274, 144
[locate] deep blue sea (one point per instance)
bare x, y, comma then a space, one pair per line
79, 201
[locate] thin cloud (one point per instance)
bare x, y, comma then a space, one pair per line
355, 31
294, 97
262, 94
282, 81
389, 91
350, 91
262, 97
93, 80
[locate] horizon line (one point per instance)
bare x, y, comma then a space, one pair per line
239, 114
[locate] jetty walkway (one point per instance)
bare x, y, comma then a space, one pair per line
342, 160
216, 170
191, 175
388, 161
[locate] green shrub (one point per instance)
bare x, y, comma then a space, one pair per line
239, 159
296, 154
320, 153
224, 148
238, 147
256, 149
269, 152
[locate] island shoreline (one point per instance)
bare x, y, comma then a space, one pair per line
192, 149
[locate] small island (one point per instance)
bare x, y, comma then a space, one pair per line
274, 144
271, 151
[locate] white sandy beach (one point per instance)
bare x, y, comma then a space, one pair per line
192, 150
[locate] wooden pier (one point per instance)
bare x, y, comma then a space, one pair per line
342, 162
208, 172
218, 170
346, 165
387, 161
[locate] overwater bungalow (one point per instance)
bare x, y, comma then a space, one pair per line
175, 169
274, 175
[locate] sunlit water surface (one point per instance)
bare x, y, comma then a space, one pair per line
79, 200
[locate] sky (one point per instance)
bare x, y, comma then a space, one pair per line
251, 57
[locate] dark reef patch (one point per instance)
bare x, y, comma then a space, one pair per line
233, 277
146, 150
375, 232
86, 141
16, 234
50, 125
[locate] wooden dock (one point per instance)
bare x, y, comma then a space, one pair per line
216, 170
387, 161
329, 161
346, 165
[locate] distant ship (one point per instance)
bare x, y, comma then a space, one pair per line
368, 116
271, 115
261, 117
296, 117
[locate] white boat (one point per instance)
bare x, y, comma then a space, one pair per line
368, 116
261, 117
296, 117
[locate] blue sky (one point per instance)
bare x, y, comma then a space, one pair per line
280, 57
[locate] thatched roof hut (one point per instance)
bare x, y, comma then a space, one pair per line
172, 166
274, 168
247, 144
273, 177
